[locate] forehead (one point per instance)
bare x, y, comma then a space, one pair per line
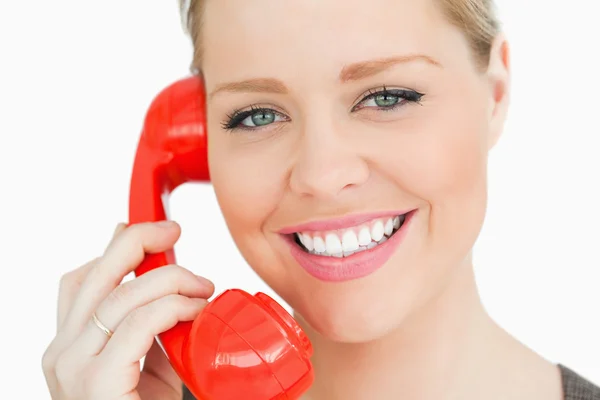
296, 39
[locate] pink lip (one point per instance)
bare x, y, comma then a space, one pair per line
339, 223
358, 265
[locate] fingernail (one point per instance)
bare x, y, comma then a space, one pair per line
204, 281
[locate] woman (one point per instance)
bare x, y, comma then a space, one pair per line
370, 123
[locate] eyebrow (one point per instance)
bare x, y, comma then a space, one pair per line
258, 85
365, 69
352, 72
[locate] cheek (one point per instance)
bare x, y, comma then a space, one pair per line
452, 179
248, 184
450, 163
245, 185
442, 162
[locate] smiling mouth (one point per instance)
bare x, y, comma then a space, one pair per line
346, 242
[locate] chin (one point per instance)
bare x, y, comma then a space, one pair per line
358, 322
370, 298
358, 311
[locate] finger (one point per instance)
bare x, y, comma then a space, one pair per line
135, 335
70, 283
134, 294
69, 286
118, 229
123, 256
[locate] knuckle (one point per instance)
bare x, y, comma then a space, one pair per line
131, 236
121, 294
175, 275
135, 232
170, 307
172, 302
73, 279
136, 318
67, 281
173, 270
63, 370
48, 361
165, 307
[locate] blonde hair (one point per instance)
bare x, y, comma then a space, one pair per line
476, 18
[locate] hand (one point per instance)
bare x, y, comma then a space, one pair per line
82, 362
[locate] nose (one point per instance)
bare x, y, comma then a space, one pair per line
327, 163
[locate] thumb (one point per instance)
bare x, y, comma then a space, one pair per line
156, 366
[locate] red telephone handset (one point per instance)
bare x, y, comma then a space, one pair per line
240, 346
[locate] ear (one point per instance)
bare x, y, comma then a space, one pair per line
498, 77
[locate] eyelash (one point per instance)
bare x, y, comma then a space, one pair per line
410, 96
235, 119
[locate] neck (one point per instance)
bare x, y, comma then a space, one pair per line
436, 353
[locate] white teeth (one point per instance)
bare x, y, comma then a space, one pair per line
345, 242
307, 241
377, 231
349, 242
389, 227
333, 244
319, 244
364, 236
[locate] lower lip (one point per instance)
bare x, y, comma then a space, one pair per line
358, 265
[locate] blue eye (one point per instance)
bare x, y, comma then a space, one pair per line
385, 100
258, 117
388, 99
253, 118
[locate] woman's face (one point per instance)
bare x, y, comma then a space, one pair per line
323, 110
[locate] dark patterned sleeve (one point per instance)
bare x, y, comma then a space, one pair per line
187, 395
576, 387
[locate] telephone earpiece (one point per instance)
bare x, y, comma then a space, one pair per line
240, 346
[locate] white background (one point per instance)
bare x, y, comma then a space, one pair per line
75, 82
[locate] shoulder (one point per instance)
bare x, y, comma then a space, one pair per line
576, 387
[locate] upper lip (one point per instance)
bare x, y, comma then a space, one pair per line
347, 221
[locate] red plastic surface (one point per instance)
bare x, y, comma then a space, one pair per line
240, 346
